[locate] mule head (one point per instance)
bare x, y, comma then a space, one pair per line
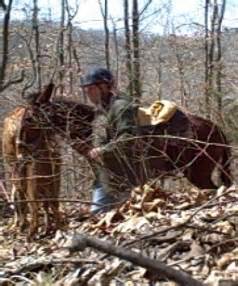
40, 97
33, 129
44, 97
68, 118
71, 120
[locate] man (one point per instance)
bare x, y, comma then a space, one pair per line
119, 111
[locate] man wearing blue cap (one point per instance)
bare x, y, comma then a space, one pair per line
120, 114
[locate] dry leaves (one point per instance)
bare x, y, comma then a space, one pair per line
182, 228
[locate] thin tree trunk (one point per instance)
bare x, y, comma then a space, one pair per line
70, 66
104, 12
159, 82
219, 57
136, 49
211, 55
69, 47
206, 47
5, 41
115, 39
213, 59
183, 92
128, 47
61, 47
71, 51
35, 28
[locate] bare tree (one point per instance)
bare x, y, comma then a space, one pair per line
128, 47
206, 45
115, 40
213, 55
219, 55
35, 28
5, 46
70, 46
104, 12
136, 49
61, 46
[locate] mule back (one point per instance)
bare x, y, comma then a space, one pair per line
186, 143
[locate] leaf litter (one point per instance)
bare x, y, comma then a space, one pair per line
186, 229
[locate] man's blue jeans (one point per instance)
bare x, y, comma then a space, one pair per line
104, 200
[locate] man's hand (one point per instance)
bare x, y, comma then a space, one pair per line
95, 153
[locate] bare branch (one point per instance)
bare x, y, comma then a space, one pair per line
104, 12
145, 7
3, 5
15, 80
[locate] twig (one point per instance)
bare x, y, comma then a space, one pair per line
166, 252
235, 213
222, 243
207, 229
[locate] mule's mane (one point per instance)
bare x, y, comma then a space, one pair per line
71, 103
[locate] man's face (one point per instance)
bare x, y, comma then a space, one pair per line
94, 93
97, 93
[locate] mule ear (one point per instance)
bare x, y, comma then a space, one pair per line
45, 95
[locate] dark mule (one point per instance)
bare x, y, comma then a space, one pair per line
31, 152
186, 143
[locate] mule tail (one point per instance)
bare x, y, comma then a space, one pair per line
226, 176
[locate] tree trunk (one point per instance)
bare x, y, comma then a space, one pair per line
136, 49
219, 57
61, 47
5, 41
211, 56
128, 47
115, 39
69, 47
35, 28
213, 59
104, 12
206, 47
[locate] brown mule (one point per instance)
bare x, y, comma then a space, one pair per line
32, 154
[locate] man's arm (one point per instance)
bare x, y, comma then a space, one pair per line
122, 120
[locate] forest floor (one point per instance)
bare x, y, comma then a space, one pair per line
190, 230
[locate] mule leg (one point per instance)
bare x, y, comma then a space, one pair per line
45, 189
50, 188
20, 209
199, 177
32, 196
55, 187
18, 193
58, 219
47, 218
14, 198
34, 221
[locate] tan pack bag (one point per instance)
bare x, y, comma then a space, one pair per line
160, 111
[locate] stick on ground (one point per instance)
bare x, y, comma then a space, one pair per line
80, 242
